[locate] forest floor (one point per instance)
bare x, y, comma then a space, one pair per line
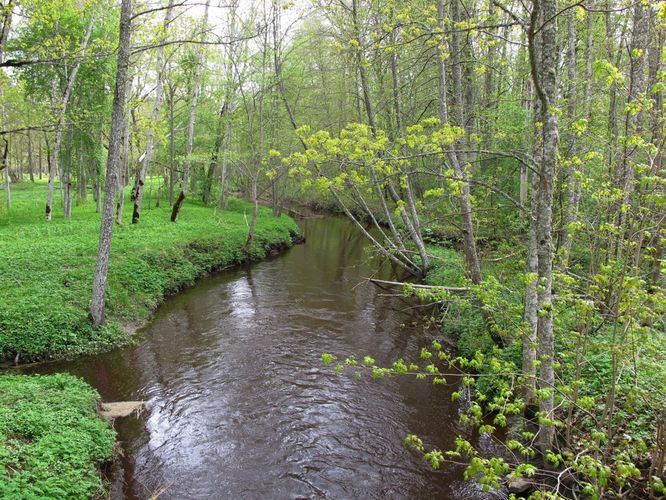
52, 443
46, 270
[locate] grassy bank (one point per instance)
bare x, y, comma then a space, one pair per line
46, 268
52, 443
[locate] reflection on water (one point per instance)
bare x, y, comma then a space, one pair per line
240, 406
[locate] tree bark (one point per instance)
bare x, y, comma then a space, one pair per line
458, 161
61, 111
117, 118
544, 76
6, 26
31, 168
5, 167
196, 90
123, 177
570, 210
160, 65
633, 125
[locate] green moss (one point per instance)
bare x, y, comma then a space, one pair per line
47, 267
51, 441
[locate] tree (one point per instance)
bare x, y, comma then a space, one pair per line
160, 67
196, 90
60, 110
115, 146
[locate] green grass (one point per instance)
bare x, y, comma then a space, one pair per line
51, 441
47, 268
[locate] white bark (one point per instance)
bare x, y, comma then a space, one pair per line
160, 66
196, 91
117, 119
61, 111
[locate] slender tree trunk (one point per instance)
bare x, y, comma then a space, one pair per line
223, 172
172, 145
255, 212
6, 26
458, 161
215, 155
123, 177
196, 90
545, 81
530, 313
5, 165
407, 215
117, 119
570, 211
31, 167
633, 125
61, 111
160, 65
39, 151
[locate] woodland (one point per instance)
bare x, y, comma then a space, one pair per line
504, 156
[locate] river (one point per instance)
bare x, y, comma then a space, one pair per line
239, 404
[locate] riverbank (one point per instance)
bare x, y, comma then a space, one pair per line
52, 443
47, 268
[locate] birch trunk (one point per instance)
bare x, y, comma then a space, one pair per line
196, 90
160, 65
117, 119
459, 161
545, 81
570, 210
5, 165
633, 125
61, 111
123, 177
31, 167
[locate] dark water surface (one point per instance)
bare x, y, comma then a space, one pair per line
239, 404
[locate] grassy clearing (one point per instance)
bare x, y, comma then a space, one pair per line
46, 268
51, 441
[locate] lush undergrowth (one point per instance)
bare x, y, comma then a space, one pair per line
46, 268
51, 441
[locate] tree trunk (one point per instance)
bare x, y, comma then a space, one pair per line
160, 65
117, 118
196, 90
223, 172
458, 161
61, 111
6, 26
123, 177
215, 155
570, 210
31, 168
633, 125
255, 209
5, 166
544, 76
39, 150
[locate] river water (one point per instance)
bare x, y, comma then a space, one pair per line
239, 405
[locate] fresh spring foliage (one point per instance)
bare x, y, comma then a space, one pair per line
52, 442
46, 275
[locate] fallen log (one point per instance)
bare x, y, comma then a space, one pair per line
120, 409
416, 285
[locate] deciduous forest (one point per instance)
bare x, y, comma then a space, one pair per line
500, 161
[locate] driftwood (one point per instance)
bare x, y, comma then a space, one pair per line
120, 409
415, 285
